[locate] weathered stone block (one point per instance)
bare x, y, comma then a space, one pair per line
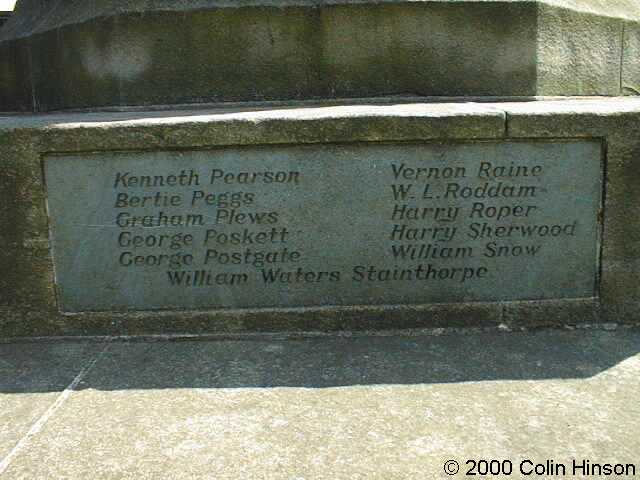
357, 143
82, 54
578, 52
631, 59
615, 121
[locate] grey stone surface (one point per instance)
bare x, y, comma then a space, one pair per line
579, 53
325, 225
340, 408
76, 54
31, 377
621, 250
630, 62
27, 296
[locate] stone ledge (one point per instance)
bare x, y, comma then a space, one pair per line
67, 132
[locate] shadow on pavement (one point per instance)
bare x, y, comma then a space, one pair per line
316, 362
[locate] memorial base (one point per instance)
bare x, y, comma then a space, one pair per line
320, 218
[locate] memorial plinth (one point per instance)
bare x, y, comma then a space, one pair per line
341, 165
321, 218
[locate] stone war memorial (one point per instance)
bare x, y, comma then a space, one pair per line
216, 166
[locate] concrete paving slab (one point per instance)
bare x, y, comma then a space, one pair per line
345, 408
32, 376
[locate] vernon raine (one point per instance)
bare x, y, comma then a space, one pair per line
485, 170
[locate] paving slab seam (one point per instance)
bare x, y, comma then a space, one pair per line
280, 336
37, 427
